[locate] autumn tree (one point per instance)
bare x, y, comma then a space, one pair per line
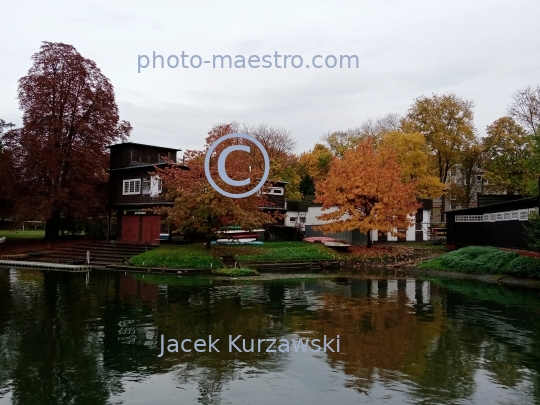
7, 185
280, 146
313, 167
507, 152
413, 159
464, 187
340, 141
364, 190
447, 123
525, 108
60, 153
198, 209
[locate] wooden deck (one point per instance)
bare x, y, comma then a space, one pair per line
44, 266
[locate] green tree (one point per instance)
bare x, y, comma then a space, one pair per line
532, 230
313, 166
413, 159
446, 121
464, 187
508, 157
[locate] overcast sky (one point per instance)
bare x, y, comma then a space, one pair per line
482, 51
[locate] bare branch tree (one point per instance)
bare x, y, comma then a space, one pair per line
339, 141
525, 108
278, 142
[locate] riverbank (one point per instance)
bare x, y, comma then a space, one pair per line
486, 260
489, 278
484, 263
284, 254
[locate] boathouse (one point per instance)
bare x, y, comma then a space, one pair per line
501, 225
134, 190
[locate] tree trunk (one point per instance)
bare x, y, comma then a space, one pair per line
443, 207
369, 242
52, 226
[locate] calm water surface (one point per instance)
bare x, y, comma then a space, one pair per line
78, 339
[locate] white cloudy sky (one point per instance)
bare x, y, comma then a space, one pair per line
482, 51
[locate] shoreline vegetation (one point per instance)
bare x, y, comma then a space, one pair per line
485, 260
235, 272
196, 256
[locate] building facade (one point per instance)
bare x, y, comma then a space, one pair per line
304, 216
134, 191
501, 224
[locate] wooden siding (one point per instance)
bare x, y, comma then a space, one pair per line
275, 201
507, 234
127, 155
117, 197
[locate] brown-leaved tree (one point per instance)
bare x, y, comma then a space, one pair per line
7, 173
364, 190
198, 209
60, 153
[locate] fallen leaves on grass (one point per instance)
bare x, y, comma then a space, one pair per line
388, 254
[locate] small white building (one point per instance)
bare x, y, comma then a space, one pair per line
303, 216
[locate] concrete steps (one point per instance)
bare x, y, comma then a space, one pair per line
101, 253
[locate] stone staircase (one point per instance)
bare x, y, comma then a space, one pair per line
101, 253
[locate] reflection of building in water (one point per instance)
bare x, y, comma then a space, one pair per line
383, 325
132, 288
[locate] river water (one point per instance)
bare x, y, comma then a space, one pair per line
96, 339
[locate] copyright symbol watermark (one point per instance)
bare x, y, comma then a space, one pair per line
221, 166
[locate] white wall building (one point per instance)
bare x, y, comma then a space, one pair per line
303, 217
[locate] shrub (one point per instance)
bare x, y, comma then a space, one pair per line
486, 260
524, 266
235, 272
478, 259
532, 229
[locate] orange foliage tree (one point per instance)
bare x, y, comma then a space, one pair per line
364, 190
198, 209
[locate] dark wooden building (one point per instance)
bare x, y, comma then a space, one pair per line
501, 225
133, 190
275, 197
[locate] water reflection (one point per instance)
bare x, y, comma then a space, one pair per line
66, 339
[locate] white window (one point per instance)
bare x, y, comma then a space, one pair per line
132, 186
276, 191
156, 186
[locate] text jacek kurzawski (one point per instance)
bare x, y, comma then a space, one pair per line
237, 344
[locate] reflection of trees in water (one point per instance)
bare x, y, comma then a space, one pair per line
53, 358
406, 335
64, 342
380, 331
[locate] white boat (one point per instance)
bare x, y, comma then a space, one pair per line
231, 231
236, 243
338, 245
233, 241
2, 240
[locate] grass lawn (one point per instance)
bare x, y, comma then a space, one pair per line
185, 256
279, 251
197, 256
38, 234
485, 260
